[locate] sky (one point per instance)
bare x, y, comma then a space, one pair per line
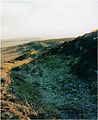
47, 18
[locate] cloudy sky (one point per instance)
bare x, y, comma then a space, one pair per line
48, 18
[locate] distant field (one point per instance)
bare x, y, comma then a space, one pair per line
14, 42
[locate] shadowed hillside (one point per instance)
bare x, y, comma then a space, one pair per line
52, 79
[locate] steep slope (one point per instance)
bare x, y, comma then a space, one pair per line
14, 57
61, 81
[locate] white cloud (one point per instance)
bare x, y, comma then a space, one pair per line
48, 19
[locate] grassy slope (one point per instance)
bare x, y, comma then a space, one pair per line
52, 83
14, 57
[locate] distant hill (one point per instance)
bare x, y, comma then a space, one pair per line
19, 41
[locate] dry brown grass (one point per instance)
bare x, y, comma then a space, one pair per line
9, 102
18, 109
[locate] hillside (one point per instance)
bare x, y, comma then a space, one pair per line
51, 80
19, 41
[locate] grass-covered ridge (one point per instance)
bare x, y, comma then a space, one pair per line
60, 81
